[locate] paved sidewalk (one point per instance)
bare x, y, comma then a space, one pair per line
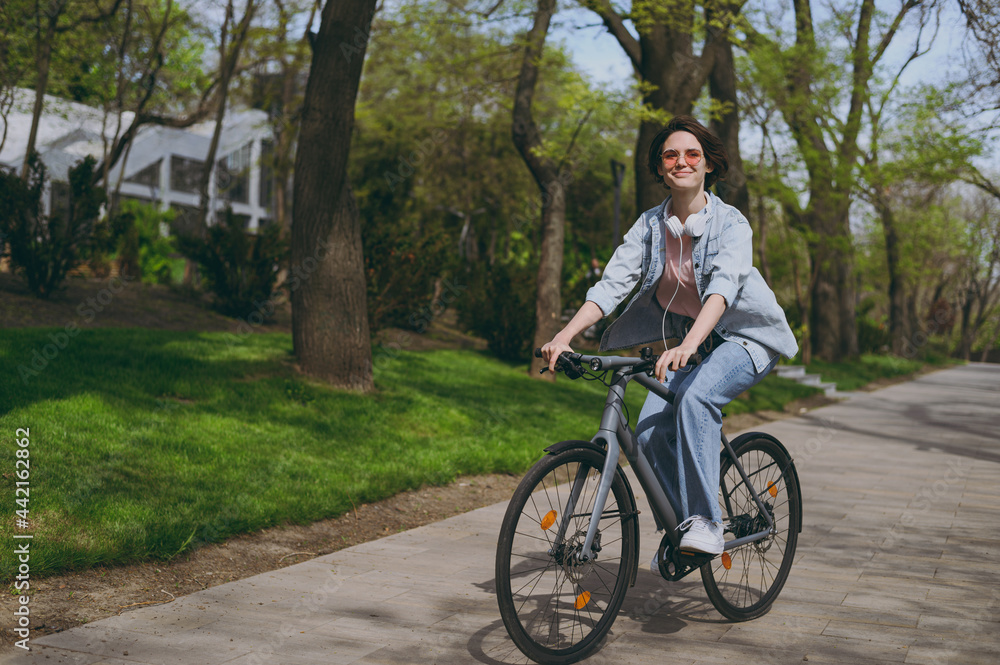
897, 563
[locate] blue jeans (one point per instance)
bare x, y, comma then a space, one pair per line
682, 441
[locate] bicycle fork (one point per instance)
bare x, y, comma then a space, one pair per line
610, 420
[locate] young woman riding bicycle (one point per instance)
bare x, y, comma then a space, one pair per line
692, 256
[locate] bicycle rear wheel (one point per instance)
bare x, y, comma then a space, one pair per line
744, 581
555, 607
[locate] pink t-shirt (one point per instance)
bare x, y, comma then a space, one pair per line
686, 302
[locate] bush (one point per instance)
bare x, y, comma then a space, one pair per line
400, 270
240, 268
145, 253
500, 308
873, 335
43, 249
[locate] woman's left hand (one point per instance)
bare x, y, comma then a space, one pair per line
674, 359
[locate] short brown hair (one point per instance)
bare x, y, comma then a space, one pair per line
711, 145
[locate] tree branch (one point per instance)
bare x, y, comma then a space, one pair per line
616, 26
101, 15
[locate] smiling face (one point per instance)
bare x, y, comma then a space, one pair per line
679, 173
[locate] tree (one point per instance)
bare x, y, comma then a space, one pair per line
829, 149
439, 181
982, 53
914, 152
329, 316
147, 65
230, 48
15, 56
281, 56
672, 75
550, 178
982, 274
56, 19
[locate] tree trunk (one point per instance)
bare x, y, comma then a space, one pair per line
832, 323
330, 331
648, 192
43, 59
549, 178
898, 332
548, 306
966, 335
765, 266
663, 58
228, 59
722, 87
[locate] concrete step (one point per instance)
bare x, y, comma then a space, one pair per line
829, 389
790, 371
798, 373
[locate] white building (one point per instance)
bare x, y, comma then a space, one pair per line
163, 166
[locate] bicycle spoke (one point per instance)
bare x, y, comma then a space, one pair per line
757, 570
559, 602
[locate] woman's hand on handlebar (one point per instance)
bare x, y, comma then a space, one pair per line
552, 351
674, 359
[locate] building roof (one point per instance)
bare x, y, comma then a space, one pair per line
69, 131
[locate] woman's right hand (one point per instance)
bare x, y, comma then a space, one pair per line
552, 351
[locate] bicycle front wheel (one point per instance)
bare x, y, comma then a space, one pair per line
557, 608
744, 581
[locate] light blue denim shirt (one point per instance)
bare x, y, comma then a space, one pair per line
723, 264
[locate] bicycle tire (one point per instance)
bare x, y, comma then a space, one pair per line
556, 609
744, 581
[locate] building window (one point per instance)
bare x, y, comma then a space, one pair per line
232, 176
149, 176
185, 174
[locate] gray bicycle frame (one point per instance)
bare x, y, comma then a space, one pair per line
616, 435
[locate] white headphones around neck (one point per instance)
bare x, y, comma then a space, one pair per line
695, 224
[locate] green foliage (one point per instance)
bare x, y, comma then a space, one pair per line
241, 268
400, 267
432, 153
873, 333
145, 253
499, 306
44, 248
865, 369
87, 67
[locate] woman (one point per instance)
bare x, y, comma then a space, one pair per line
692, 255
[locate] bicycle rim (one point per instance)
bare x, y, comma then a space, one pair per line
557, 609
744, 581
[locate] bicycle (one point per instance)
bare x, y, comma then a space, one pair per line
569, 543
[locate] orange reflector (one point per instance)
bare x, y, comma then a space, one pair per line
548, 520
727, 561
772, 489
582, 600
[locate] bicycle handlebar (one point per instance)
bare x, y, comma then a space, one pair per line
570, 364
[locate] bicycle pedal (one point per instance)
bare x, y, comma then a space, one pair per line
696, 558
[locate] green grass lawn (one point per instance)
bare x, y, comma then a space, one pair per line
867, 368
146, 443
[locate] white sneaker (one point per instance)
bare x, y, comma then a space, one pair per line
701, 535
